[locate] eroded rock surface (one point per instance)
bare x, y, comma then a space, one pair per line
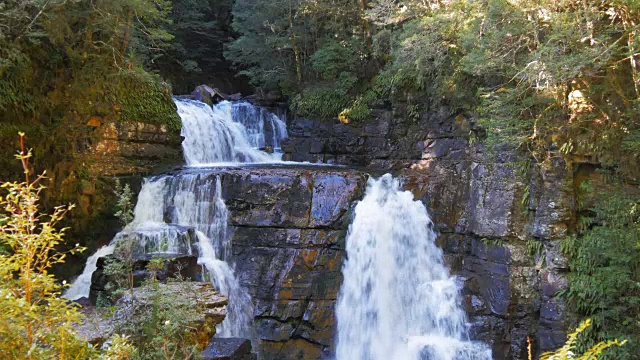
289, 227
228, 349
500, 217
491, 208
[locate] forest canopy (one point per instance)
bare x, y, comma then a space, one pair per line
540, 74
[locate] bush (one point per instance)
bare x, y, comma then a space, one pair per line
605, 271
35, 322
567, 351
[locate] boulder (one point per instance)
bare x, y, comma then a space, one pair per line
228, 349
99, 323
208, 95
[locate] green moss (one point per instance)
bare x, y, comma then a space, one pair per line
142, 97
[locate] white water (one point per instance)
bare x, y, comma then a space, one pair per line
198, 202
229, 133
177, 213
80, 287
167, 208
262, 127
398, 301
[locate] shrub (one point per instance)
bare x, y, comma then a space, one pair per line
35, 322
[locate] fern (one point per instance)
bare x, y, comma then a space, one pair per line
567, 352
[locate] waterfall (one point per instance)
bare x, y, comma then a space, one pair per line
229, 133
264, 128
80, 287
180, 215
398, 301
196, 200
184, 213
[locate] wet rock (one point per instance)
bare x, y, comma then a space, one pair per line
494, 284
98, 325
228, 349
83, 301
290, 198
207, 94
471, 192
550, 339
289, 226
474, 304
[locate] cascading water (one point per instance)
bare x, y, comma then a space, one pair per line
169, 209
398, 301
195, 200
80, 287
264, 128
229, 133
185, 213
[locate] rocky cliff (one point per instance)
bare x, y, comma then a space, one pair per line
288, 247
112, 150
499, 216
500, 219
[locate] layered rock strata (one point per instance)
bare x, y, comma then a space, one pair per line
500, 217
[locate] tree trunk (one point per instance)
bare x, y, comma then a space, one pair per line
364, 23
294, 44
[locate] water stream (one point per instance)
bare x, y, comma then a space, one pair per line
229, 133
398, 300
185, 213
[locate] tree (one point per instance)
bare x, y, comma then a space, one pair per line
200, 29
278, 39
63, 62
35, 321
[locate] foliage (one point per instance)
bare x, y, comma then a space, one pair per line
124, 206
493, 242
120, 348
120, 270
36, 323
325, 102
605, 271
534, 247
312, 51
567, 351
160, 320
194, 56
556, 75
64, 62
540, 75
165, 328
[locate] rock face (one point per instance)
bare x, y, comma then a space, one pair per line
490, 206
98, 327
500, 218
289, 227
124, 150
127, 148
